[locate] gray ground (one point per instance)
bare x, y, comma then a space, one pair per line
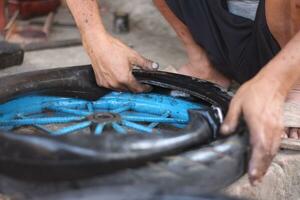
155, 40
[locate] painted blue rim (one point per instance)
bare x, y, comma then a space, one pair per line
123, 112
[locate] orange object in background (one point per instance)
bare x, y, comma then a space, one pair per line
32, 8
2, 16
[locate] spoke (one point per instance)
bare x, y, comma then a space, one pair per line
100, 111
40, 121
72, 128
90, 107
122, 109
119, 128
37, 126
109, 104
99, 129
137, 127
43, 129
69, 111
70, 103
138, 114
154, 124
153, 119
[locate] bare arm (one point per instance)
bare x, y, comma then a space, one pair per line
285, 67
180, 28
112, 60
87, 17
261, 101
194, 51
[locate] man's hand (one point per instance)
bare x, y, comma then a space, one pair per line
261, 104
111, 59
113, 62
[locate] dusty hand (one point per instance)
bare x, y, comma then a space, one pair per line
113, 61
260, 103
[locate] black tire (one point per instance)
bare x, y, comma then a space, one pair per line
184, 167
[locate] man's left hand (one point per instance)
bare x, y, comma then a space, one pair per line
261, 104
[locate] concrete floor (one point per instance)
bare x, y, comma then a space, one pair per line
155, 40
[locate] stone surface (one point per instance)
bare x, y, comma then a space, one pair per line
281, 182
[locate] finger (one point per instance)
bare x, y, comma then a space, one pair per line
100, 78
232, 118
119, 88
101, 82
259, 163
294, 133
131, 84
285, 133
117, 85
264, 149
144, 63
286, 130
136, 87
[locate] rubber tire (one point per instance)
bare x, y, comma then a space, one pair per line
180, 170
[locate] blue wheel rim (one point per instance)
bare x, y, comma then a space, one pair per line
121, 112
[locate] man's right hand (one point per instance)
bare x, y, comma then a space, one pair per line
113, 62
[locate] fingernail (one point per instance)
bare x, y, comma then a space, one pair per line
155, 65
225, 128
254, 173
253, 177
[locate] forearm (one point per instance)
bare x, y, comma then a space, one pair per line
180, 28
283, 71
87, 17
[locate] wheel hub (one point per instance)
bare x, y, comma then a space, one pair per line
104, 117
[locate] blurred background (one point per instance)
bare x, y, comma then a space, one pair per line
50, 38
